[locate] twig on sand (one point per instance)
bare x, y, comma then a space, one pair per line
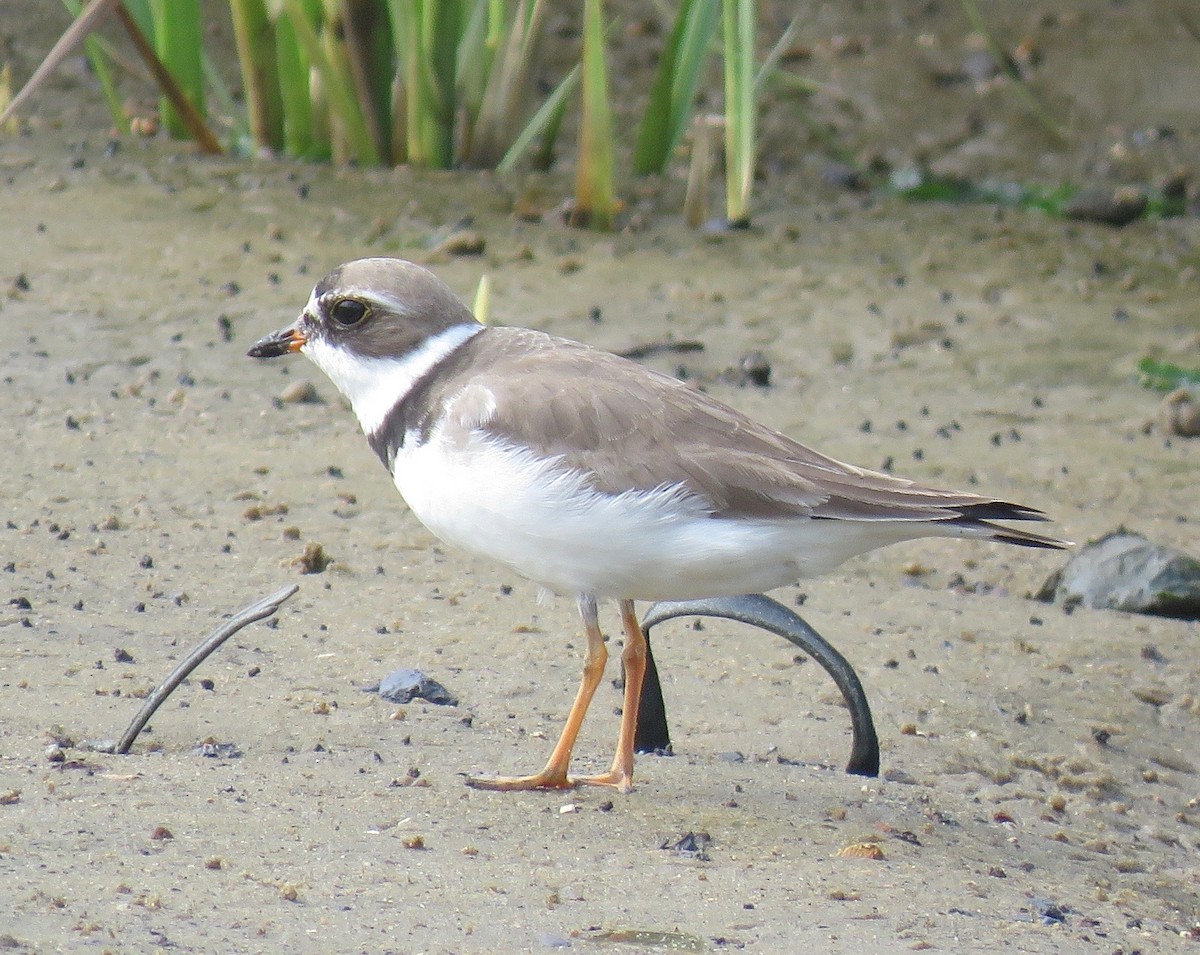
261, 608
667, 347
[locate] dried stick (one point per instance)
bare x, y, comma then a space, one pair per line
255, 611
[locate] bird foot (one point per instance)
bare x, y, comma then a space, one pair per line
619, 780
546, 779
551, 780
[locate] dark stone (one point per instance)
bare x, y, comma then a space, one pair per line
1125, 571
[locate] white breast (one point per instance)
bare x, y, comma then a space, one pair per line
547, 524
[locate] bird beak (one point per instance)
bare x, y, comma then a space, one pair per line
283, 342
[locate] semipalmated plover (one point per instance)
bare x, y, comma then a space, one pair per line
593, 476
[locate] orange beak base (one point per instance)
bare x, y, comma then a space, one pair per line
283, 342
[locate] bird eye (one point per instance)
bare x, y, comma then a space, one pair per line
348, 311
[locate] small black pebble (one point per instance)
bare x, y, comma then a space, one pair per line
254, 671
207, 684
606, 806
21, 603
506, 589
595, 314
72, 423
121, 655
139, 608
334, 472
146, 562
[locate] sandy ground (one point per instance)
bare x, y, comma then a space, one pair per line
1040, 782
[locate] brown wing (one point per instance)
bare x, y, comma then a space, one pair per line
628, 427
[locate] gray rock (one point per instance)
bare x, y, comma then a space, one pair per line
1110, 207
1125, 571
404, 686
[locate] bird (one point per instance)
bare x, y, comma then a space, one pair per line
595, 477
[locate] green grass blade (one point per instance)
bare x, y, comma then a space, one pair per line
771, 62
368, 48
441, 30
595, 202
100, 65
545, 122
301, 136
740, 108
475, 55
1024, 93
496, 126
342, 101
427, 34
673, 92
178, 40
482, 308
255, 37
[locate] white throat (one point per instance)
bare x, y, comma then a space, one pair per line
373, 386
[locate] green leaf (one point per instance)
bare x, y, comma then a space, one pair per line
673, 94
595, 202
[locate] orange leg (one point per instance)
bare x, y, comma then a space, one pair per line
620, 777
554, 776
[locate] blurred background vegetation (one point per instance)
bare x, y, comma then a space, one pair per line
704, 91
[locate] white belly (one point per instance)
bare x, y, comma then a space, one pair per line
549, 526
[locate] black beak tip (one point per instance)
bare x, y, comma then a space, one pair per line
274, 345
264, 349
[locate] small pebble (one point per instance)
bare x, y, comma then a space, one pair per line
1109, 207
301, 392
463, 242
1179, 413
